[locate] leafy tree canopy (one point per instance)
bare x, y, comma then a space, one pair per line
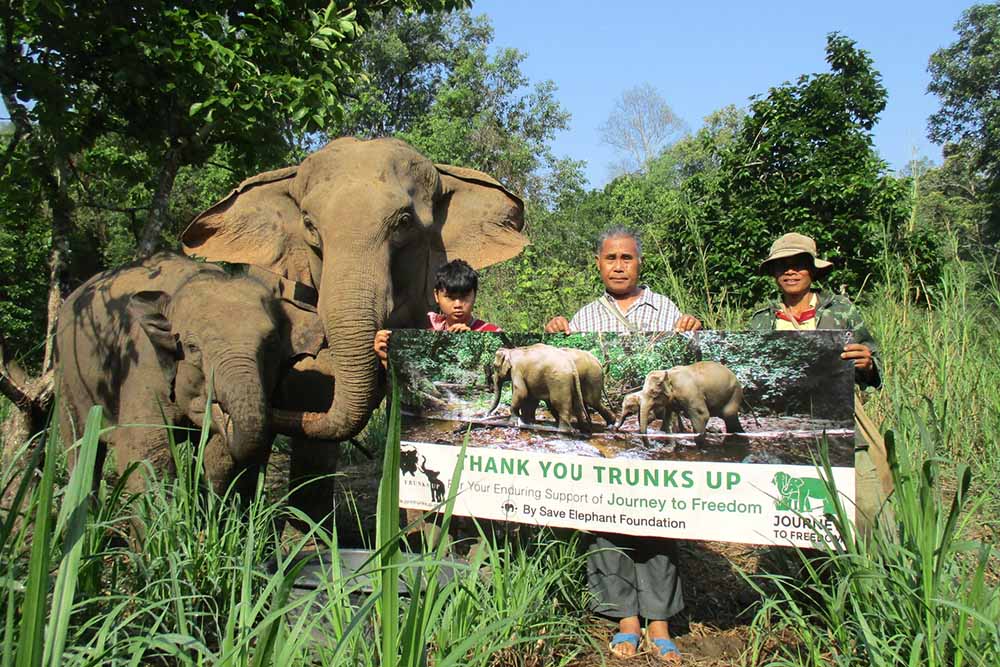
804, 161
966, 77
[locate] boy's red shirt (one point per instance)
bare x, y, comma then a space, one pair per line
439, 322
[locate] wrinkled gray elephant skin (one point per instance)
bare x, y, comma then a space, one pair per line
362, 226
148, 342
540, 373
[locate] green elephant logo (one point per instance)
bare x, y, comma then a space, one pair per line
797, 494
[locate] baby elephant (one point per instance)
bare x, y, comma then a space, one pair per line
540, 373
702, 390
149, 342
632, 405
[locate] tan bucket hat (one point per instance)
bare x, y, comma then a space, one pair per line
792, 244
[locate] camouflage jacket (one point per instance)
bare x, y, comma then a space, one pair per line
833, 311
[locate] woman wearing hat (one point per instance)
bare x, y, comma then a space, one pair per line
794, 266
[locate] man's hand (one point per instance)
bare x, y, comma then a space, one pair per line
688, 323
459, 326
381, 345
861, 355
557, 324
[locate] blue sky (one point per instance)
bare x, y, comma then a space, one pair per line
701, 56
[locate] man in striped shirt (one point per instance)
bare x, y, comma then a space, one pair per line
625, 305
631, 577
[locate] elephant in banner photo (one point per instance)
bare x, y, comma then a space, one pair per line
702, 390
540, 373
591, 382
358, 229
149, 342
632, 405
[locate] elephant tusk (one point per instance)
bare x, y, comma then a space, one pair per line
222, 422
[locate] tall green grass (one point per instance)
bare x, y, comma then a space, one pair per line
180, 576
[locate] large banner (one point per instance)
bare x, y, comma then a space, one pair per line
712, 436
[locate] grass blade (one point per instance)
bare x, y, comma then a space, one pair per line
31, 642
73, 515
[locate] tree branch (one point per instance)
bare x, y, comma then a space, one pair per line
13, 381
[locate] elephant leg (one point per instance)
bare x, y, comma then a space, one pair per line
698, 414
621, 421
733, 424
644, 413
518, 395
606, 414
310, 478
664, 414
731, 412
562, 409
528, 409
152, 445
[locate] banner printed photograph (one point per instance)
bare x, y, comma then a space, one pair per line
703, 423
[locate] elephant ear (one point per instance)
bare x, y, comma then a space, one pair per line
302, 327
254, 224
305, 328
482, 220
147, 310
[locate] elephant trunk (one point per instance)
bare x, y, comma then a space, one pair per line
241, 395
497, 386
352, 314
644, 409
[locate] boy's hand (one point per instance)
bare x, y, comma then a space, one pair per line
459, 326
557, 324
688, 323
381, 345
861, 355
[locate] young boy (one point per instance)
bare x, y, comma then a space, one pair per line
455, 287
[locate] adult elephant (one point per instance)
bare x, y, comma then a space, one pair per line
362, 225
358, 229
540, 373
591, 382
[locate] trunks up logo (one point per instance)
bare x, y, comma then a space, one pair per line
409, 465
801, 494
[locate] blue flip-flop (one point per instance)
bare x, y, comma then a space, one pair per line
664, 647
624, 638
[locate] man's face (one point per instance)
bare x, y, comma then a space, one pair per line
619, 265
793, 274
457, 308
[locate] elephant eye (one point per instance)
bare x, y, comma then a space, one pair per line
312, 236
404, 218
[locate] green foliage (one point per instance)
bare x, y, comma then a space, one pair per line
804, 161
23, 270
485, 115
406, 58
710, 205
965, 75
912, 594
193, 75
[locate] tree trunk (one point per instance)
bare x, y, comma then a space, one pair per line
62, 222
149, 240
32, 396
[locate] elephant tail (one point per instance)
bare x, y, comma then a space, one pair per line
752, 410
578, 399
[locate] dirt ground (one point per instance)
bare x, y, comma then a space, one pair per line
711, 631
